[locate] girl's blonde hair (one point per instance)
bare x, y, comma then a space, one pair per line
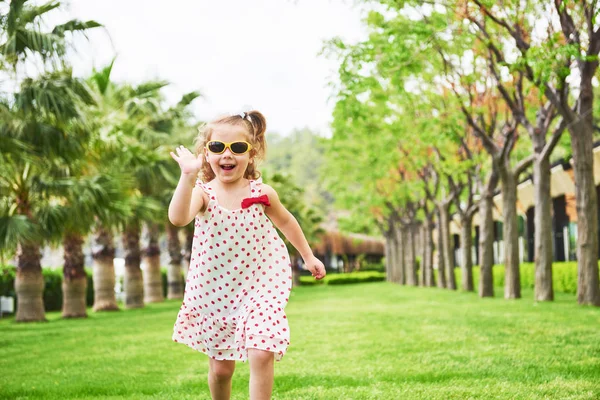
255, 126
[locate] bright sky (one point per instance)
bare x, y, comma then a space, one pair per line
262, 53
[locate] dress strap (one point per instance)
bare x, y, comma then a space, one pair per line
255, 187
207, 189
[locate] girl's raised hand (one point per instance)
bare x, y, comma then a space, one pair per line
189, 163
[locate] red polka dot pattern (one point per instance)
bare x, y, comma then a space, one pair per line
238, 284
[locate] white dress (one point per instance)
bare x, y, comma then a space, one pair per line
238, 283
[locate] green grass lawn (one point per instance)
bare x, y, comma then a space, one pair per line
362, 341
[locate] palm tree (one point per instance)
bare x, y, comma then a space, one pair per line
41, 128
173, 122
85, 197
107, 117
33, 130
142, 105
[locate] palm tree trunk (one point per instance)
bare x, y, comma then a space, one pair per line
174, 273
133, 282
543, 230
466, 243
512, 283
74, 284
153, 288
104, 271
295, 270
29, 284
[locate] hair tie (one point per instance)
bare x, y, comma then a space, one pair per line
243, 112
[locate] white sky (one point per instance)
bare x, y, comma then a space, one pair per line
262, 53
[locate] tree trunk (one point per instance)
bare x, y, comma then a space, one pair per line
103, 255
393, 254
486, 242
411, 270
74, 282
447, 247
543, 230
428, 245
153, 287
424, 257
512, 282
389, 243
588, 290
174, 273
133, 282
29, 284
466, 243
400, 260
441, 283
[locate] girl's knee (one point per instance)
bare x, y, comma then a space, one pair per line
260, 356
222, 369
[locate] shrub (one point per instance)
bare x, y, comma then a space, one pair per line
368, 266
52, 287
7, 280
344, 278
564, 276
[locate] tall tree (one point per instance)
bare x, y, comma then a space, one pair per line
568, 50
38, 112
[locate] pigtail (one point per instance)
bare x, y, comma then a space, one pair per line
259, 127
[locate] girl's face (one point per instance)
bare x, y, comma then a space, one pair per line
228, 167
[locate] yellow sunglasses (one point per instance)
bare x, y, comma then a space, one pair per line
218, 147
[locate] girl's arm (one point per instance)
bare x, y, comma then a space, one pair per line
187, 200
288, 225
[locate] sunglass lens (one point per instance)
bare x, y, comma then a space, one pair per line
239, 147
216, 147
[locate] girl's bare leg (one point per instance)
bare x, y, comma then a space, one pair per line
219, 378
261, 374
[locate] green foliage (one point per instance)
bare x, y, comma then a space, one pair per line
7, 281
299, 156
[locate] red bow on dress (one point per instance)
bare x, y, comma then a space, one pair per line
264, 199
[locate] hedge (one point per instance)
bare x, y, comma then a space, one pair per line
564, 276
341, 279
53, 296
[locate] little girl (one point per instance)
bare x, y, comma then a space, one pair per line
240, 277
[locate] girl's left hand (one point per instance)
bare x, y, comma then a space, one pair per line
315, 266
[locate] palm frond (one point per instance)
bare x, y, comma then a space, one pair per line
187, 99
31, 13
13, 15
15, 229
150, 89
102, 77
74, 26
